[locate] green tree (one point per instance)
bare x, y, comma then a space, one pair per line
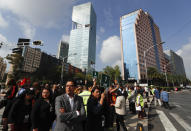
16, 61
113, 73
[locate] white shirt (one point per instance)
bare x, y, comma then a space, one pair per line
71, 100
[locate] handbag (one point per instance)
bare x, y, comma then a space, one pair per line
138, 108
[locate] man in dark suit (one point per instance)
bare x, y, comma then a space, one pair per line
70, 111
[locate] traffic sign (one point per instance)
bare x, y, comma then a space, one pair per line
105, 80
95, 74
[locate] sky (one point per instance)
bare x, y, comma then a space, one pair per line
50, 21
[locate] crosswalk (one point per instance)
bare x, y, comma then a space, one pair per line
165, 121
169, 125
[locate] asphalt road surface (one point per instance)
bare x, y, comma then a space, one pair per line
178, 118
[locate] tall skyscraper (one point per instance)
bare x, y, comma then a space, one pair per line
63, 50
138, 33
175, 62
83, 37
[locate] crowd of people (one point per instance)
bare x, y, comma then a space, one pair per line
72, 108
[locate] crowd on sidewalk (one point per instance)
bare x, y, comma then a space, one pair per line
47, 107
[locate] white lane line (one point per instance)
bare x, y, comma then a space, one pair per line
181, 122
165, 121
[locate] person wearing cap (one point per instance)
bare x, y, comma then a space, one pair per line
19, 115
122, 90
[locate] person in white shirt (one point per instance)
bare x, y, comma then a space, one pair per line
120, 109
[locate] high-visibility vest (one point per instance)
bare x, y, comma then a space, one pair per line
153, 91
129, 93
85, 95
140, 100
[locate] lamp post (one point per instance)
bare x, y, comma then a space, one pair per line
61, 81
145, 60
166, 74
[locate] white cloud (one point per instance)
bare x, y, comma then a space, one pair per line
66, 38
97, 39
3, 22
108, 16
118, 62
184, 52
28, 29
45, 13
111, 51
5, 49
102, 30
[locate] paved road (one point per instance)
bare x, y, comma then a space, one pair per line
176, 119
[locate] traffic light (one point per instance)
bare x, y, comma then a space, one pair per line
17, 50
37, 42
23, 42
1, 44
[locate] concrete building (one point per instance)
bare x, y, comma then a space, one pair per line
63, 50
138, 32
32, 58
176, 63
83, 37
3, 67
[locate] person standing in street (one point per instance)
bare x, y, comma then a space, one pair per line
131, 98
69, 110
42, 115
140, 103
165, 98
95, 112
120, 108
157, 97
20, 112
85, 96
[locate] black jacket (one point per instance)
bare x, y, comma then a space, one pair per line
94, 115
20, 113
42, 115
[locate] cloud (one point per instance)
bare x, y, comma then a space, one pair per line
44, 13
3, 22
184, 52
28, 29
110, 53
108, 16
97, 39
102, 30
5, 49
66, 38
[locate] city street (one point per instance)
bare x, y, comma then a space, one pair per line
176, 119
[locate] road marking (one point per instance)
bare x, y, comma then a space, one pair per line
181, 122
165, 121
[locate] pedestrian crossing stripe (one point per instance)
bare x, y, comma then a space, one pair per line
181, 122
165, 121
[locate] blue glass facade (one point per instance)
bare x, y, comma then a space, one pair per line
155, 43
129, 45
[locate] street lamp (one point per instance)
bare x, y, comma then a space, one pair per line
166, 72
61, 81
145, 60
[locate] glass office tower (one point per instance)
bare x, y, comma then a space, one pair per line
138, 32
83, 37
63, 50
176, 63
